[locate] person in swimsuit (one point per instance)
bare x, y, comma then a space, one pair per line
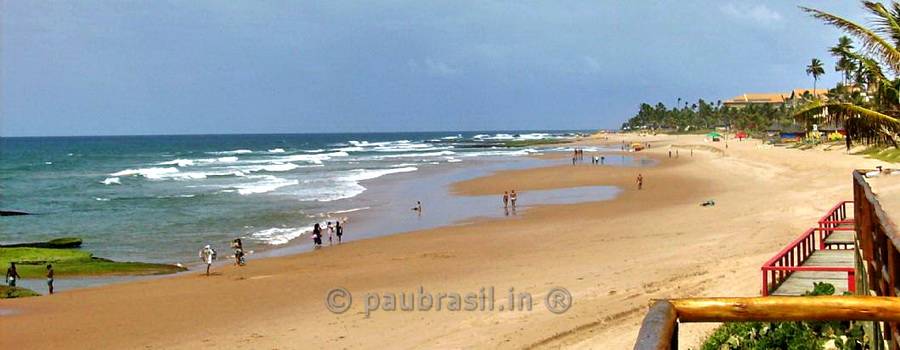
640, 181
207, 255
12, 275
50, 278
339, 231
513, 197
505, 199
330, 233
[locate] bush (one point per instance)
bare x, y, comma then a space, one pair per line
788, 335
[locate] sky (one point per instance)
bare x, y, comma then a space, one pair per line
92, 67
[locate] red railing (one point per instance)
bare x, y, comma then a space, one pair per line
791, 258
833, 219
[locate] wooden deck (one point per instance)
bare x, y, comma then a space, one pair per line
802, 281
841, 238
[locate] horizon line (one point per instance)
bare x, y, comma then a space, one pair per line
301, 133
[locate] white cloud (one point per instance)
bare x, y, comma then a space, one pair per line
433, 67
756, 13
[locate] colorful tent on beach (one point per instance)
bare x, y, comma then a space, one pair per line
740, 135
714, 136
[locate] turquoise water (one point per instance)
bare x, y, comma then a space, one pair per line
158, 198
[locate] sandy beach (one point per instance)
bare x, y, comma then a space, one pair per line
612, 256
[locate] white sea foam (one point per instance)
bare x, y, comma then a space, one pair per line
111, 181
310, 158
276, 150
48, 163
263, 184
101, 199
368, 174
178, 162
279, 235
150, 173
348, 210
453, 160
237, 151
413, 155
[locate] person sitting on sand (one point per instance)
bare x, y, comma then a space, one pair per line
317, 235
207, 255
12, 275
50, 278
513, 197
338, 230
640, 181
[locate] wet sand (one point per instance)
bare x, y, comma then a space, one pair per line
613, 257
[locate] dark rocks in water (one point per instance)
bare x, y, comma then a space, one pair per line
59, 243
12, 213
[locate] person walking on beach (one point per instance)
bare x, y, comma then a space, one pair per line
12, 275
50, 278
339, 230
317, 235
640, 181
207, 255
513, 197
505, 199
238, 247
602, 159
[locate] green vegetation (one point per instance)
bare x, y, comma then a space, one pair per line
16, 292
886, 154
32, 263
58, 243
526, 143
704, 116
866, 103
788, 335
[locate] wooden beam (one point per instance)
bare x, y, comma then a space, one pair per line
659, 331
774, 308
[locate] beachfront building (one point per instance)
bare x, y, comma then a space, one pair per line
789, 98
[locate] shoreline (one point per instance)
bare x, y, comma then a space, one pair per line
608, 254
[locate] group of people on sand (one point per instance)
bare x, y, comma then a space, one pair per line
509, 201
208, 254
333, 229
12, 276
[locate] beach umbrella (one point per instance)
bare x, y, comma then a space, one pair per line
714, 134
741, 135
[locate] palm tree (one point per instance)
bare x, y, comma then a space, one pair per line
845, 64
871, 120
816, 70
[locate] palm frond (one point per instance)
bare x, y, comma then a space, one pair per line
861, 123
885, 21
869, 40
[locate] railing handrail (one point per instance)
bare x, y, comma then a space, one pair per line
810, 268
830, 212
796, 242
659, 329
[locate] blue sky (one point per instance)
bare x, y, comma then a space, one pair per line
185, 67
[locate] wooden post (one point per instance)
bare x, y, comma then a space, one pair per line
781, 308
659, 331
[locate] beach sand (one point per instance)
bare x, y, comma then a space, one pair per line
612, 256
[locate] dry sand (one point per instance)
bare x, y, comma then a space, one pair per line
613, 256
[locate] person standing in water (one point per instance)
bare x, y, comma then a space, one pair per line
339, 230
50, 278
12, 275
207, 255
418, 207
640, 181
506, 199
513, 197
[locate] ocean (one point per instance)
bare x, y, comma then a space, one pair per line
160, 198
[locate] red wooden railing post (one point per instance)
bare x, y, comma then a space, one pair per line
851, 281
